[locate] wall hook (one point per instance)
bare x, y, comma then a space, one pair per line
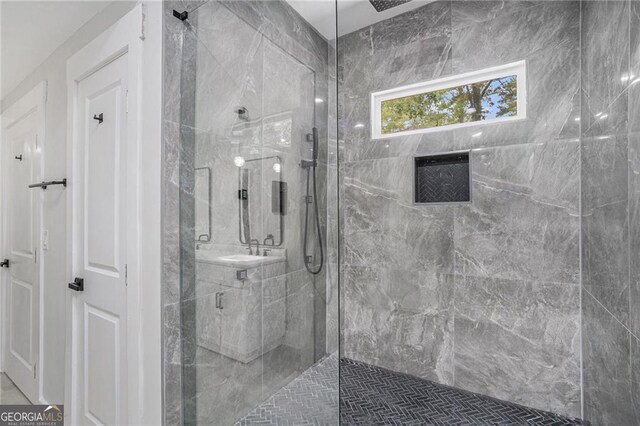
181, 15
98, 117
19, 157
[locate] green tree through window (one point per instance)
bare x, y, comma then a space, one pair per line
483, 100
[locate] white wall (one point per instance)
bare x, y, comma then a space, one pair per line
54, 283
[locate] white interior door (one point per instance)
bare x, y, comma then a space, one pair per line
22, 227
100, 246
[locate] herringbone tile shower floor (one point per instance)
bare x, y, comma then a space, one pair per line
371, 396
374, 396
309, 399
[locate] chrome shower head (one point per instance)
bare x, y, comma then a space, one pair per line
381, 5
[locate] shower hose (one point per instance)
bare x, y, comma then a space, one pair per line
307, 263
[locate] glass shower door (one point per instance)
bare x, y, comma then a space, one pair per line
254, 148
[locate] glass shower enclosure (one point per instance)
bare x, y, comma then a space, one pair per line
258, 297
465, 175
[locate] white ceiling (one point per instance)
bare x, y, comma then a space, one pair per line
352, 14
32, 30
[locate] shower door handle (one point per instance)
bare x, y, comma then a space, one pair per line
219, 300
4, 264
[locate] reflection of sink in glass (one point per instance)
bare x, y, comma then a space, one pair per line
238, 260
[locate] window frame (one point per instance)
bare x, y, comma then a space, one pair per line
514, 68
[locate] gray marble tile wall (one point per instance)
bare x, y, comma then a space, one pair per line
483, 296
173, 35
610, 199
264, 56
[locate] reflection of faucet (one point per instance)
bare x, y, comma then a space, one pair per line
257, 247
269, 237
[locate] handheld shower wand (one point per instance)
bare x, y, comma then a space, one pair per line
314, 148
311, 167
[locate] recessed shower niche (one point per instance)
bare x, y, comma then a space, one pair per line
443, 178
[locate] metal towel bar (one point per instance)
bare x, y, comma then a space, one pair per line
44, 185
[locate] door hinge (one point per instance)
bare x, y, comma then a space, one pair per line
126, 101
143, 18
35, 255
34, 370
126, 275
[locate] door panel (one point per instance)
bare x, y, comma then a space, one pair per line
23, 289
20, 312
101, 364
102, 184
22, 201
100, 246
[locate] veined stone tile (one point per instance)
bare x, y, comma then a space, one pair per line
519, 341
605, 263
603, 121
172, 374
383, 227
399, 319
523, 220
604, 171
635, 377
288, 101
605, 61
552, 27
282, 24
394, 67
548, 38
606, 367
229, 73
465, 13
634, 232
172, 65
634, 67
431, 20
170, 215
